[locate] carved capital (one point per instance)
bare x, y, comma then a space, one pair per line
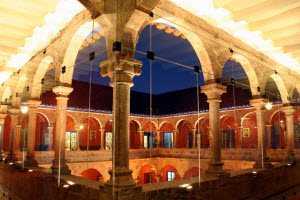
288, 110
213, 91
121, 69
33, 103
62, 91
259, 104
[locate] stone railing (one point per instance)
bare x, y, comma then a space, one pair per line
275, 155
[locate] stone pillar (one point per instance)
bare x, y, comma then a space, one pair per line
240, 127
59, 163
78, 131
194, 138
175, 138
121, 70
50, 131
141, 139
30, 160
2, 121
289, 115
14, 114
269, 136
262, 159
102, 136
213, 92
17, 137
158, 138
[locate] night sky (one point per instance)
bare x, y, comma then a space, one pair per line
166, 76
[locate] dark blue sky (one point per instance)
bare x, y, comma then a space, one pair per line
166, 76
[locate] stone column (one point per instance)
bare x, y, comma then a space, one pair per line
2, 121
50, 131
78, 130
269, 136
102, 135
194, 138
59, 163
158, 138
141, 139
240, 127
175, 138
289, 115
121, 70
262, 159
30, 160
17, 137
213, 92
14, 114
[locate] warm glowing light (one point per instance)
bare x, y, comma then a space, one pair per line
254, 172
189, 187
30, 170
66, 186
81, 127
223, 19
71, 183
281, 121
24, 109
11, 163
184, 185
110, 120
268, 105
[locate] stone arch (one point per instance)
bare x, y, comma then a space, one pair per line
73, 49
178, 122
44, 115
193, 172
164, 172
90, 134
16, 99
184, 137
92, 174
40, 73
68, 115
146, 169
244, 117
134, 134
138, 123
250, 72
281, 87
194, 39
6, 93
198, 120
162, 123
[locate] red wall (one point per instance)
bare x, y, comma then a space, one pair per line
230, 123
7, 130
146, 169
163, 174
250, 122
182, 138
204, 128
193, 172
94, 126
134, 136
91, 174
279, 120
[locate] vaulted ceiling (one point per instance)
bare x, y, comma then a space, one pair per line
270, 26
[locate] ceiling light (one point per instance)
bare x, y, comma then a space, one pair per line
24, 109
268, 105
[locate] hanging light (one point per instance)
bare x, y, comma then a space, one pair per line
81, 127
24, 109
268, 105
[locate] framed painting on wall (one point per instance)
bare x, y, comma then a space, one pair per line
246, 132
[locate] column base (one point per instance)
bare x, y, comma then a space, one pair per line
30, 162
215, 168
122, 178
63, 168
267, 163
